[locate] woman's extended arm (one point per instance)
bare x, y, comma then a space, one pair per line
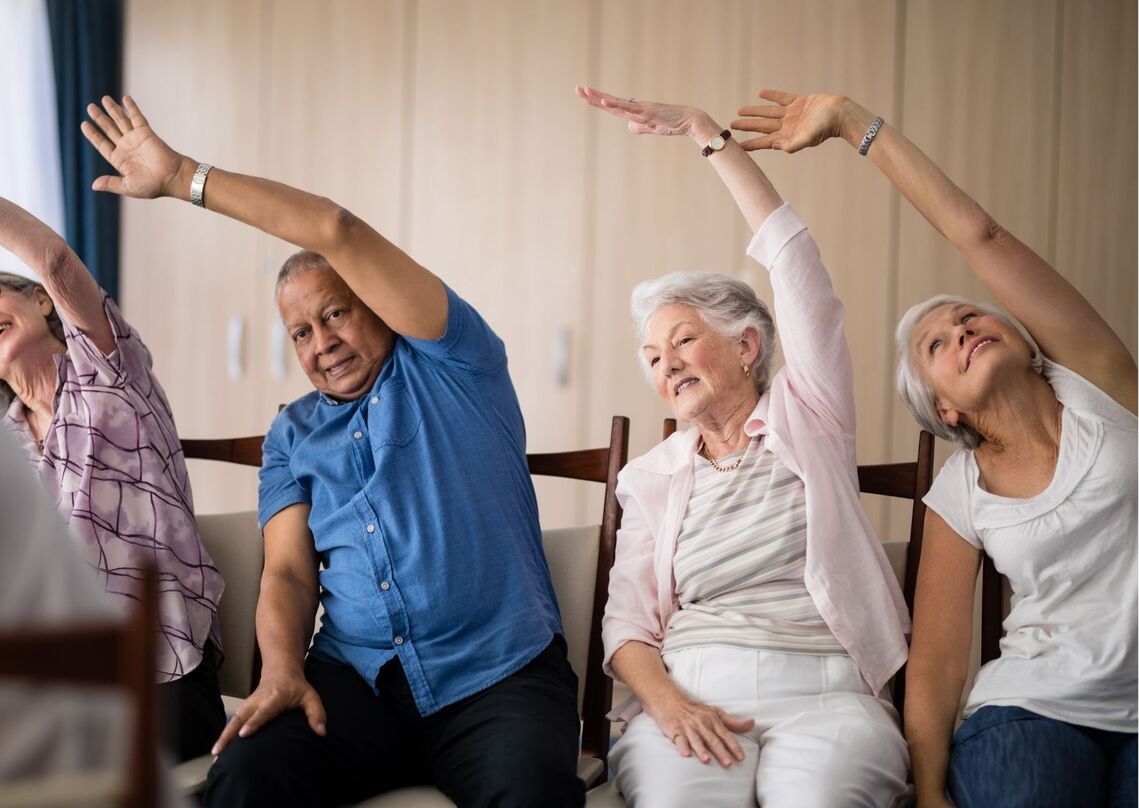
64, 276
749, 186
695, 728
939, 653
1063, 323
409, 298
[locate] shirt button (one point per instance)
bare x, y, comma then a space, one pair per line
371, 528
398, 640
384, 585
357, 435
375, 399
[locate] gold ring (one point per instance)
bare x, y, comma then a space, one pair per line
674, 737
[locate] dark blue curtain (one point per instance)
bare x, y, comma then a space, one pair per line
87, 48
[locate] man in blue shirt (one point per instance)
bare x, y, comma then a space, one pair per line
397, 496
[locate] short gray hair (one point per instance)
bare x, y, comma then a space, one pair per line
295, 264
916, 392
26, 286
728, 305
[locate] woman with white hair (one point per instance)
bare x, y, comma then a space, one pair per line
1044, 482
751, 609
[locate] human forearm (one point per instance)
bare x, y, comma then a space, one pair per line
640, 667
749, 186
286, 612
931, 708
950, 210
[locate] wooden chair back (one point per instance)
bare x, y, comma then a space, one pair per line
119, 653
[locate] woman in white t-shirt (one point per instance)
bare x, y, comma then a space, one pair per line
1044, 483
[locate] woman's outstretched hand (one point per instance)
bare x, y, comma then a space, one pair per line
793, 122
147, 167
649, 117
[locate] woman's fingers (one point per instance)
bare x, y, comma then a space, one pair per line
117, 114
764, 125
778, 96
764, 142
107, 126
762, 111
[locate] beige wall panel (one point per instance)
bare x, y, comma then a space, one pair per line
979, 99
1096, 188
195, 70
334, 125
847, 48
657, 207
497, 198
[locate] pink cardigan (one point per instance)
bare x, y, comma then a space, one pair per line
807, 416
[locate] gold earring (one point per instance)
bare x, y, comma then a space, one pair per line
747, 368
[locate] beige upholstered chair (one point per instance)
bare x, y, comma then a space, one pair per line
579, 559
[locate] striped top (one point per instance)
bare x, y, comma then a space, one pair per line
739, 561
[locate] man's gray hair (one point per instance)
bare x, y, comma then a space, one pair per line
728, 305
295, 264
10, 282
916, 392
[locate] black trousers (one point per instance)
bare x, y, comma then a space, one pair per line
193, 715
513, 744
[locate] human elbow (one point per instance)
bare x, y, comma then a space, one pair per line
56, 262
982, 231
337, 226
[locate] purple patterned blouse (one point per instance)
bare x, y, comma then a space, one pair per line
113, 455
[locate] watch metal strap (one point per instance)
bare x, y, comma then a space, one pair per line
871, 133
198, 185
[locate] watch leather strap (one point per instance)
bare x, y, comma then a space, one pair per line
717, 143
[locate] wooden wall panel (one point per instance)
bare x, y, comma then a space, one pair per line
821, 46
496, 197
196, 72
334, 126
1095, 196
992, 137
656, 206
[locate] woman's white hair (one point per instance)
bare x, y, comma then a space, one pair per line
728, 305
912, 386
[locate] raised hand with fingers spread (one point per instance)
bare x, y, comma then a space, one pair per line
792, 122
147, 167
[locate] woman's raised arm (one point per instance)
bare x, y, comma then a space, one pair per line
409, 298
63, 275
1063, 323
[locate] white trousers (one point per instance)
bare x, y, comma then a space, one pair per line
821, 738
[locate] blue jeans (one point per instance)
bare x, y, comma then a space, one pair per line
1008, 756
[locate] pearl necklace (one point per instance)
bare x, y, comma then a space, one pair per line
708, 456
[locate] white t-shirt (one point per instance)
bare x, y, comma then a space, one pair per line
1069, 553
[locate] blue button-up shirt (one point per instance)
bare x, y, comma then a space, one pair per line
423, 515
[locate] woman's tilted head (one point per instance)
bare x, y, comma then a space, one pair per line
702, 336
952, 354
27, 316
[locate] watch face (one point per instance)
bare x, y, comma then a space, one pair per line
716, 143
